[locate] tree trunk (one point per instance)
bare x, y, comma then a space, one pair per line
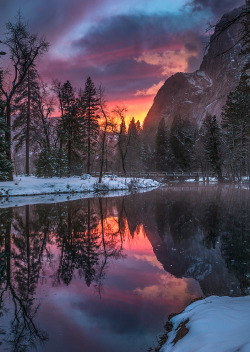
102, 157
60, 155
69, 158
219, 173
88, 161
122, 159
8, 135
27, 140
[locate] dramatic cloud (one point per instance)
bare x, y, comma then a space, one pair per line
217, 7
126, 47
52, 18
131, 48
151, 90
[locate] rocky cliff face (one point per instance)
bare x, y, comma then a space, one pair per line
193, 95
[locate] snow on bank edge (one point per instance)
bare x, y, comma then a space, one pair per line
28, 186
215, 324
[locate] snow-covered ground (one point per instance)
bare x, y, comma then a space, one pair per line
244, 179
215, 324
60, 189
210, 179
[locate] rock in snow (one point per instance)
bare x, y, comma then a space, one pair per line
214, 324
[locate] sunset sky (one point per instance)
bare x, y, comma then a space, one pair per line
129, 47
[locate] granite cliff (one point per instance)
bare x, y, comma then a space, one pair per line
193, 95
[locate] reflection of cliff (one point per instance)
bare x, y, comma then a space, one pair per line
200, 234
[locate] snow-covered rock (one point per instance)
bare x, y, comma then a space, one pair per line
214, 324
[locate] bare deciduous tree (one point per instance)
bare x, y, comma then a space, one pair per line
107, 124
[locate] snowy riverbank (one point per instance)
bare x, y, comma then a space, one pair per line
218, 324
12, 192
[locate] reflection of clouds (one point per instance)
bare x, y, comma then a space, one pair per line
170, 288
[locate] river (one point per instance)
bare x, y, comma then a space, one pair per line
103, 274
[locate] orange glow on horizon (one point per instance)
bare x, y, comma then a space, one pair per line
138, 107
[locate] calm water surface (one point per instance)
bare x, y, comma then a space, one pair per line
103, 274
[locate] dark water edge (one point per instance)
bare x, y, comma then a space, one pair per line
103, 274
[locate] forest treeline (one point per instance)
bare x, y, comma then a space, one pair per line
86, 136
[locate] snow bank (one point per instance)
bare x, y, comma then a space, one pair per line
19, 201
215, 324
244, 180
33, 186
201, 180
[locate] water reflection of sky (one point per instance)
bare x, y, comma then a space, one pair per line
108, 272
137, 297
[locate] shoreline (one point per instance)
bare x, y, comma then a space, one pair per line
25, 190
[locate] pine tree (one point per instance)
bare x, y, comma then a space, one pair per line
90, 103
212, 137
70, 126
162, 147
236, 128
134, 147
25, 122
147, 156
5, 164
182, 140
51, 162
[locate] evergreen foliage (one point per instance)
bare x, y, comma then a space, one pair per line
51, 162
90, 103
5, 164
25, 123
70, 129
134, 145
211, 134
236, 128
182, 139
162, 151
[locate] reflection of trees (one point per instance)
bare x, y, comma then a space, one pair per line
86, 242
110, 237
235, 245
211, 222
19, 278
78, 243
88, 237
81, 238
